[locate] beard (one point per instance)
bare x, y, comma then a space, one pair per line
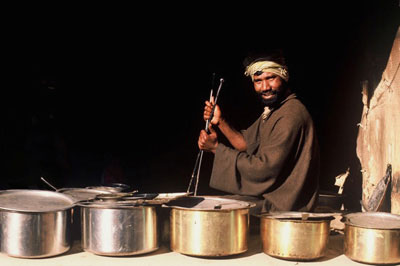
275, 96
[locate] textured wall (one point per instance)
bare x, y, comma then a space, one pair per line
378, 142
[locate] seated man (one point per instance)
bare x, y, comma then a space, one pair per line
274, 162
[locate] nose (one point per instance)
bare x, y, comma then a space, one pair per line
265, 86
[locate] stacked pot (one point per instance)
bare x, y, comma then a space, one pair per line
118, 228
38, 223
369, 237
208, 226
295, 235
372, 237
34, 223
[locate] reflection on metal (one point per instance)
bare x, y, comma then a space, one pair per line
119, 231
294, 239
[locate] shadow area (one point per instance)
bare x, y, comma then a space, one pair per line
77, 248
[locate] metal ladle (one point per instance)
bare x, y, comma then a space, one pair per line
47, 183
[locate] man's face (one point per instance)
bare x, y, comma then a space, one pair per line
270, 87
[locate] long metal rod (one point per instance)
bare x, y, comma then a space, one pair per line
199, 155
197, 167
198, 173
50, 185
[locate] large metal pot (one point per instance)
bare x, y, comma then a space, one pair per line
118, 228
34, 223
372, 237
295, 235
208, 226
80, 194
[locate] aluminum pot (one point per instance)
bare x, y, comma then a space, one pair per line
118, 228
80, 194
372, 237
34, 223
208, 226
295, 235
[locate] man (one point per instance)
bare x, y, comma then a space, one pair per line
275, 162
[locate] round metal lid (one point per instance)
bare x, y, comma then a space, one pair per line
80, 194
106, 188
113, 204
26, 200
208, 203
373, 220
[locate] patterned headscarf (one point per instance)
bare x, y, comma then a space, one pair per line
267, 66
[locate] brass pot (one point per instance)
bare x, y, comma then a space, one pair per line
209, 226
295, 235
372, 237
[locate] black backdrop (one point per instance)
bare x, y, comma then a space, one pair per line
130, 86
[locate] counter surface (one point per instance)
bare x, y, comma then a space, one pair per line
164, 256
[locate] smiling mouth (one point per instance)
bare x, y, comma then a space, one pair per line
268, 94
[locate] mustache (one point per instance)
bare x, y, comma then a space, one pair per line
267, 93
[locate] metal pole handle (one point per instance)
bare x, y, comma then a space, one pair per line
197, 166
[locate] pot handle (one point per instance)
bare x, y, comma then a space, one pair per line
252, 205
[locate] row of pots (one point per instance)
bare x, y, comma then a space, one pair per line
369, 237
37, 223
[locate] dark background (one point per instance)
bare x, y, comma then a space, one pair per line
102, 94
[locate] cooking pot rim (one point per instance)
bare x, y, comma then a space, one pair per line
82, 189
22, 201
113, 205
367, 220
296, 216
240, 205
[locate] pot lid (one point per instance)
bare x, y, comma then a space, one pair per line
172, 195
79, 194
120, 200
115, 187
106, 188
373, 220
299, 215
208, 203
119, 204
26, 200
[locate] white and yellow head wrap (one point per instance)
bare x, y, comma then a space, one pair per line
267, 66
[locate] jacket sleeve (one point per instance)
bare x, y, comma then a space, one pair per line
255, 174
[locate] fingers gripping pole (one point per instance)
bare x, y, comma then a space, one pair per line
197, 166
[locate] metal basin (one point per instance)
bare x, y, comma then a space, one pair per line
295, 235
34, 223
372, 237
209, 226
115, 229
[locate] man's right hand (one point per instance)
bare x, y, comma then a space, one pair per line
235, 137
208, 142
